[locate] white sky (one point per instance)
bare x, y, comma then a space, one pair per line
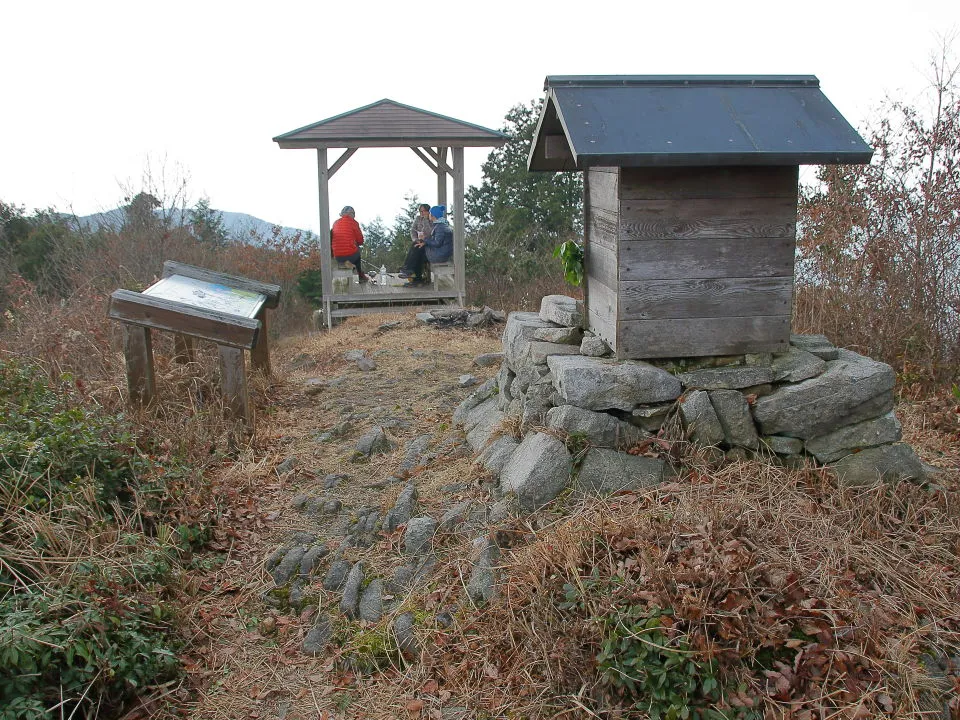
94, 92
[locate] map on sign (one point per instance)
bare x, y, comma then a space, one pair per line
207, 295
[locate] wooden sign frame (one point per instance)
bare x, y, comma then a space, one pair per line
140, 313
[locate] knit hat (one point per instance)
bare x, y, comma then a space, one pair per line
347, 210
438, 211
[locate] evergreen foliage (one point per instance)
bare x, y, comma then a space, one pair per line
532, 209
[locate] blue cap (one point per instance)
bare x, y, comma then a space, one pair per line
438, 211
347, 210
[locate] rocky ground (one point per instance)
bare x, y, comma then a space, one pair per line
360, 551
362, 521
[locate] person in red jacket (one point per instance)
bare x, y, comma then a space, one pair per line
346, 237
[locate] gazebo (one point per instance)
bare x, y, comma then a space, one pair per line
383, 124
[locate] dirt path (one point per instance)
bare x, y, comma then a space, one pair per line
309, 489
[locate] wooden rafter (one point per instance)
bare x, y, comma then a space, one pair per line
347, 154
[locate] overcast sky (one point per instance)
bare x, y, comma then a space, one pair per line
95, 93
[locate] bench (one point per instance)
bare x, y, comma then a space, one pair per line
443, 276
342, 276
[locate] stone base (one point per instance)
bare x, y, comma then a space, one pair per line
815, 401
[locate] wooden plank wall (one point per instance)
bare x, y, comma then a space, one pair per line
705, 260
601, 220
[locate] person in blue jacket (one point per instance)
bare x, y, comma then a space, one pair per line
439, 245
436, 247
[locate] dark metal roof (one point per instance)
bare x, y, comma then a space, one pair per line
387, 123
664, 120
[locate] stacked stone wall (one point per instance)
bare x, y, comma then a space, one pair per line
579, 411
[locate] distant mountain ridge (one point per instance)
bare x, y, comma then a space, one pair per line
239, 227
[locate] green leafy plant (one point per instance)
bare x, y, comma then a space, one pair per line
46, 434
646, 660
571, 258
88, 554
643, 657
956, 392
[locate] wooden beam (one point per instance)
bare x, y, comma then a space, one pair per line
260, 352
420, 154
707, 218
700, 258
233, 377
459, 228
347, 154
588, 254
698, 337
440, 156
269, 290
387, 299
705, 298
138, 357
323, 189
401, 310
161, 314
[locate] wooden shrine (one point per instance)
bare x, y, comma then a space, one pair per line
690, 202
196, 303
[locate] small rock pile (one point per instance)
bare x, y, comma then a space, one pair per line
815, 400
461, 317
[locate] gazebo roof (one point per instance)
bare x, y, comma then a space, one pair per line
387, 123
664, 120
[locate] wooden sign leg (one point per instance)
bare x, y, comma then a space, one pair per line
138, 355
184, 349
234, 378
260, 352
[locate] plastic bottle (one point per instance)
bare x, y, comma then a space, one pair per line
383, 275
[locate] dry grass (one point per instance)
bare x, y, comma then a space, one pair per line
742, 556
878, 569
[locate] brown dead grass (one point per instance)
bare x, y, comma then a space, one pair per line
880, 568
872, 573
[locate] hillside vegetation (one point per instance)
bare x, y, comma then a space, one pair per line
132, 543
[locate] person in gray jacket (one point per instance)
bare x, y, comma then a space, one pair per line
420, 231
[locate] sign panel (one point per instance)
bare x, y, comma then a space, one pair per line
209, 296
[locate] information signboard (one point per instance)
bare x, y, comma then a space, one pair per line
207, 295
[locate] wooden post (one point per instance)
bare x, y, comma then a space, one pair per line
138, 355
323, 177
234, 382
260, 352
184, 349
459, 229
441, 176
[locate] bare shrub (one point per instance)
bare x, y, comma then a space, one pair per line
879, 247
